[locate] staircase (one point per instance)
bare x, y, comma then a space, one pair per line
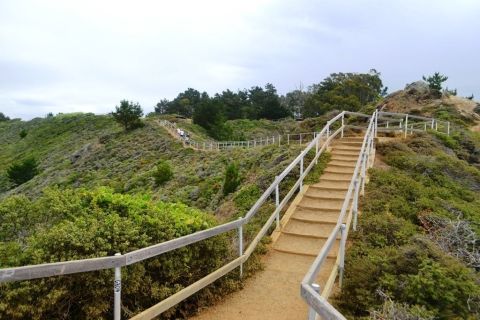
310, 219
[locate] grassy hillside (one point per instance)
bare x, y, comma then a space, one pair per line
83, 150
96, 194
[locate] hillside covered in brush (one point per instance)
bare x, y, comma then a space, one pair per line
76, 186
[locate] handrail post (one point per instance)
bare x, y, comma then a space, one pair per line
448, 128
240, 246
433, 122
363, 173
343, 123
117, 292
355, 203
279, 140
436, 125
300, 138
301, 174
406, 125
288, 138
341, 266
277, 201
312, 314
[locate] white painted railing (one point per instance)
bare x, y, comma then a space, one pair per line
312, 293
334, 128
209, 145
408, 124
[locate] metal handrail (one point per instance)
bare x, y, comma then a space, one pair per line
311, 291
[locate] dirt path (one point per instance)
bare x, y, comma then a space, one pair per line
274, 293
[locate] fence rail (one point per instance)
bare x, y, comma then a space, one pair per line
278, 139
309, 291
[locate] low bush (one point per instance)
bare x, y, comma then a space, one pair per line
232, 179
163, 173
19, 173
86, 224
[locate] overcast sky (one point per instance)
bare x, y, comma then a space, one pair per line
66, 55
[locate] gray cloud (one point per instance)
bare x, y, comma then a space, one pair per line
63, 56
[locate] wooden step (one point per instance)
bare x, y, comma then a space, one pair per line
337, 176
322, 193
316, 217
340, 163
346, 153
303, 246
344, 158
339, 169
346, 148
307, 229
312, 202
330, 185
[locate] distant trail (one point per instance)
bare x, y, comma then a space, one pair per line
279, 139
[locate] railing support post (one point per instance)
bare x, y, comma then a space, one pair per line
300, 138
279, 140
341, 265
312, 314
433, 123
343, 124
240, 246
363, 173
117, 292
448, 128
355, 203
406, 125
277, 201
288, 139
301, 174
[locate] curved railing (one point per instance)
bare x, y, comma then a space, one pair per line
279, 139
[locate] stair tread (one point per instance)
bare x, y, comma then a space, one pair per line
302, 245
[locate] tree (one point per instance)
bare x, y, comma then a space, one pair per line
185, 103
345, 91
232, 179
19, 173
3, 117
128, 114
294, 101
435, 82
162, 106
209, 115
265, 104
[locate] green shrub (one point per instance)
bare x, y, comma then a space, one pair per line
23, 133
93, 223
232, 179
19, 173
163, 173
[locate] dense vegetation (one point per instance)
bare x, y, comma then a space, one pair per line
73, 224
418, 236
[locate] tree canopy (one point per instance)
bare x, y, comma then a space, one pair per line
344, 91
128, 114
